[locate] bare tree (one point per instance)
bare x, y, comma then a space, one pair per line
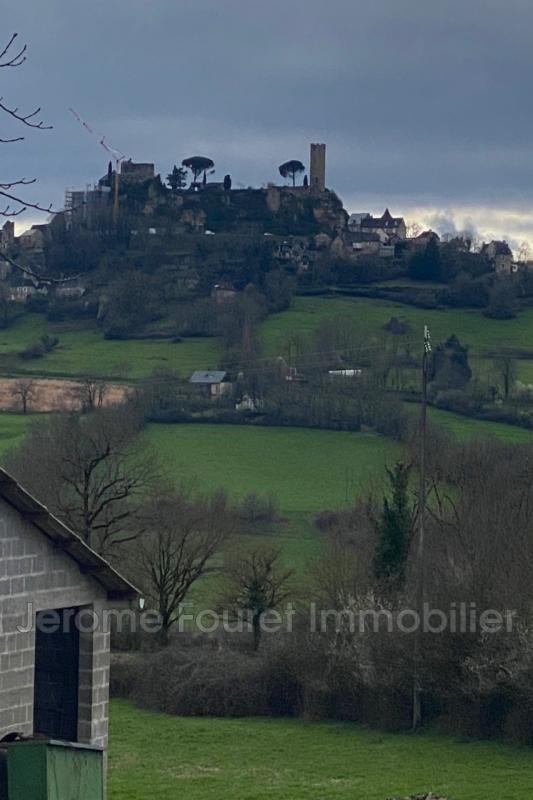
12, 190
90, 393
183, 534
92, 471
524, 252
414, 229
505, 368
256, 582
12, 56
25, 390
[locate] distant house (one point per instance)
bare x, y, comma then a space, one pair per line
387, 227
19, 294
365, 243
345, 373
73, 289
500, 256
223, 292
213, 383
423, 239
355, 220
290, 250
32, 239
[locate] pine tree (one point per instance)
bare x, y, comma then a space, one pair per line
177, 178
394, 527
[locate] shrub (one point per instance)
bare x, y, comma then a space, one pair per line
256, 508
35, 350
38, 349
457, 401
203, 682
326, 520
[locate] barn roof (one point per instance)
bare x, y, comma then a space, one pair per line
206, 376
117, 587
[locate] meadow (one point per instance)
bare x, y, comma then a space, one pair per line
154, 755
306, 469
12, 429
369, 316
85, 351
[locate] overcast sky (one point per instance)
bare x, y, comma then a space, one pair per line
424, 106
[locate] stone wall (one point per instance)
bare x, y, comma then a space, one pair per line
36, 575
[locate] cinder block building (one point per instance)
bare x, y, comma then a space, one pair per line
54, 637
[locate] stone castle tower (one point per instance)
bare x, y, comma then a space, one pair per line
317, 169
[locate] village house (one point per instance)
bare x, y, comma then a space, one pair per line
212, 383
72, 290
20, 293
421, 241
389, 229
500, 256
32, 239
223, 293
365, 243
54, 644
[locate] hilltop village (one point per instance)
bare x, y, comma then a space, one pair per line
202, 232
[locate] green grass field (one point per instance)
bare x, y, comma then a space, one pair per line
164, 757
472, 328
84, 350
12, 429
308, 470
468, 428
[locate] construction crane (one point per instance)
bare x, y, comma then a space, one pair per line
116, 155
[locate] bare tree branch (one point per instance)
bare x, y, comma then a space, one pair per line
13, 60
48, 279
12, 56
26, 119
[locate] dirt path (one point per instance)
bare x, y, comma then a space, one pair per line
54, 394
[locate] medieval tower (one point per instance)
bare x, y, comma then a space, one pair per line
317, 168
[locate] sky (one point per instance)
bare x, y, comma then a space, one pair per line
423, 105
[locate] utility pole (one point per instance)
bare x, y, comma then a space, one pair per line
420, 560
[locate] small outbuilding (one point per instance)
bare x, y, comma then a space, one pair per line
213, 383
55, 597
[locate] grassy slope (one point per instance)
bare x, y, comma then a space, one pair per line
471, 327
467, 428
307, 470
84, 350
152, 755
12, 429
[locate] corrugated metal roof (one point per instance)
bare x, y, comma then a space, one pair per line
205, 376
73, 545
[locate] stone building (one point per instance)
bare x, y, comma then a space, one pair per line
54, 639
134, 172
317, 168
500, 256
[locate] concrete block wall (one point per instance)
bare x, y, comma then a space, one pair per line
36, 575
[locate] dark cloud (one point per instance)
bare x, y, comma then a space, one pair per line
422, 105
